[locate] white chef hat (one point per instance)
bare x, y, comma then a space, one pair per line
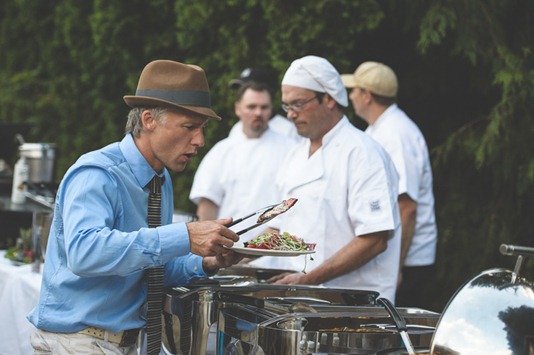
316, 74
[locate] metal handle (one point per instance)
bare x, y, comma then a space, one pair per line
233, 223
397, 318
250, 228
261, 210
521, 252
507, 249
399, 322
235, 298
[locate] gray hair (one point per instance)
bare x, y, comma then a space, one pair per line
134, 124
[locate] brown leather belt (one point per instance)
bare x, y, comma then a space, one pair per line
124, 338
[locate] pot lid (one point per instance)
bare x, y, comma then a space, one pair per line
36, 146
37, 150
488, 315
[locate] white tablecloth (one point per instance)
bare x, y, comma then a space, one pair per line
19, 293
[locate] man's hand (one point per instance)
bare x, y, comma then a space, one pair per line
290, 278
212, 264
352, 256
208, 238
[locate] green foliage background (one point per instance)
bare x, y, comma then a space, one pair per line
466, 70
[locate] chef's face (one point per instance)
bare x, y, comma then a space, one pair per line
359, 98
254, 110
306, 110
173, 139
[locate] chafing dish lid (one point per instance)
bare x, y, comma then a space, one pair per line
488, 315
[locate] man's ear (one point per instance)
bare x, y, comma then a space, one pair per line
331, 103
368, 96
148, 120
236, 109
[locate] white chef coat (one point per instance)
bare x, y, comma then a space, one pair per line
278, 123
405, 143
238, 174
347, 188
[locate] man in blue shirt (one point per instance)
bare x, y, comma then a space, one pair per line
93, 293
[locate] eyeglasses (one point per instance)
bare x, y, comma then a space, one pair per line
297, 106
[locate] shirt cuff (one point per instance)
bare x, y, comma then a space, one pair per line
174, 241
196, 268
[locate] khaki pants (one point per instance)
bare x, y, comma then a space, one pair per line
47, 343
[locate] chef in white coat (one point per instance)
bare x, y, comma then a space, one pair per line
346, 187
236, 176
374, 98
277, 123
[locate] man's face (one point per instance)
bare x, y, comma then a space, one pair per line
309, 118
174, 140
254, 110
358, 98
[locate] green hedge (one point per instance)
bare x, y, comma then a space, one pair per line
465, 68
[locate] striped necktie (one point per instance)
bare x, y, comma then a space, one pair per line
155, 274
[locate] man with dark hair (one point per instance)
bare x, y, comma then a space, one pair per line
346, 186
237, 175
374, 96
268, 77
112, 223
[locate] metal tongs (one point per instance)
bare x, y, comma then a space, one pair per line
259, 222
257, 213
399, 322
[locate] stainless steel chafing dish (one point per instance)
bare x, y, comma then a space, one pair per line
245, 329
190, 311
492, 313
252, 317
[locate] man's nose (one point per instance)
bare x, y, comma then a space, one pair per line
198, 139
292, 114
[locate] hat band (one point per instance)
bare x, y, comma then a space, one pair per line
180, 97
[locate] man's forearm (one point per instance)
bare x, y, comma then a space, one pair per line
352, 256
207, 210
408, 212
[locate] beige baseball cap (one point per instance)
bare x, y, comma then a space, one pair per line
373, 76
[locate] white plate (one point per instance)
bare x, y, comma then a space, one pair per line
270, 252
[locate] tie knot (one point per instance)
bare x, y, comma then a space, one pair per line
155, 184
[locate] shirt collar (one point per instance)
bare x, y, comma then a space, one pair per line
383, 116
332, 133
142, 171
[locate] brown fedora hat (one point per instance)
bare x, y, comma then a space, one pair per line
165, 83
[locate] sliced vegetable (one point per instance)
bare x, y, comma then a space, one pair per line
276, 241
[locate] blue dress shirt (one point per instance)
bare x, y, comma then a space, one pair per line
100, 244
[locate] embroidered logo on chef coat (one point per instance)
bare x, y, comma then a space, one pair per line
374, 206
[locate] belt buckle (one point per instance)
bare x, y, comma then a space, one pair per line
129, 337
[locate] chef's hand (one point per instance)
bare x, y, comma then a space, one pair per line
212, 264
290, 278
207, 238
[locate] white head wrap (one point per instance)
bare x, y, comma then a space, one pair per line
316, 74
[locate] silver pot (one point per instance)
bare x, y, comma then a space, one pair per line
493, 313
40, 158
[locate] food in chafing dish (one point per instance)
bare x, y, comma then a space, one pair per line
356, 330
276, 241
277, 210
